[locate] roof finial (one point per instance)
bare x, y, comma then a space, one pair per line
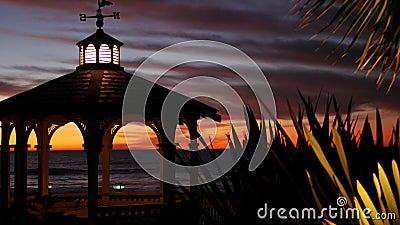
99, 16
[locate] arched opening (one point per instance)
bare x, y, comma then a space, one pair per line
67, 161
32, 163
123, 169
116, 55
81, 61
13, 138
12, 143
104, 54
33, 171
212, 136
90, 54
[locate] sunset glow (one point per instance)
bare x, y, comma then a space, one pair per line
40, 48
68, 137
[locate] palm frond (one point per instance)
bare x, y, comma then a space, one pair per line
373, 23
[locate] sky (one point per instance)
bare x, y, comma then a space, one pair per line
37, 44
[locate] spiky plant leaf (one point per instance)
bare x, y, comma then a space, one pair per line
362, 219
314, 192
379, 192
311, 115
324, 162
262, 148
238, 146
342, 155
396, 134
325, 123
328, 222
366, 138
246, 116
368, 203
379, 130
348, 115
396, 175
387, 190
289, 143
299, 129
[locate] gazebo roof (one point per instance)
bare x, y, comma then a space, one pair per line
100, 37
91, 91
96, 87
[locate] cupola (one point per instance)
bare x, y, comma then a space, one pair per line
99, 50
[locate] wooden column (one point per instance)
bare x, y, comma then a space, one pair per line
92, 147
43, 178
107, 146
93, 183
43, 148
191, 124
44, 130
167, 149
21, 164
105, 157
5, 164
167, 190
193, 148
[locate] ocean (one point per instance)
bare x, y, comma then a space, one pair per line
68, 172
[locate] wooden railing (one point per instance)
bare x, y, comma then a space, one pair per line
128, 205
78, 200
136, 197
130, 211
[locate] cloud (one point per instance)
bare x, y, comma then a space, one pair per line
12, 85
49, 4
22, 78
262, 29
39, 70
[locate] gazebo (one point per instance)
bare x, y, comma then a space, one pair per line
92, 98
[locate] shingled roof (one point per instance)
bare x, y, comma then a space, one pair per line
93, 91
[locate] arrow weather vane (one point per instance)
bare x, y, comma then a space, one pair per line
100, 17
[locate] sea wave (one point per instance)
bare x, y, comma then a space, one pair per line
68, 171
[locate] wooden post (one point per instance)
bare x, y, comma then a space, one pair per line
105, 157
191, 124
93, 183
43, 178
92, 147
167, 149
167, 190
43, 139
107, 147
44, 131
21, 165
5, 164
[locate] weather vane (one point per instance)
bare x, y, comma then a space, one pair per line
100, 17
